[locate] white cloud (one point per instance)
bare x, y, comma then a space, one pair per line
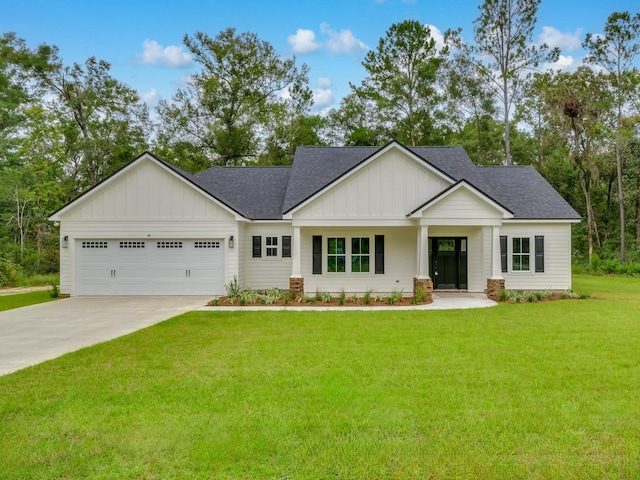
172, 56
304, 41
324, 82
343, 41
323, 96
566, 63
151, 98
437, 35
567, 42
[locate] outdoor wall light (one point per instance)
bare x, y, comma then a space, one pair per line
65, 241
231, 241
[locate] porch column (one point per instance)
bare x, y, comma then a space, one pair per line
296, 282
295, 253
422, 282
496, 264
423, 252
495, 284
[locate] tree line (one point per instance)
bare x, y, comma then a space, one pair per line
64, 128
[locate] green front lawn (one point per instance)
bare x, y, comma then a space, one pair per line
545, 390
8, 302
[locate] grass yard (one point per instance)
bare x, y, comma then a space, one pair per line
8, 302
535, 391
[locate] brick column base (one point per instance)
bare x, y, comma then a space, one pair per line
495, 286
427, 287
296, 285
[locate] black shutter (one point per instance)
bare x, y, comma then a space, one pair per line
379, 254
539, 253
286, 247
317, 255
257, 246
503, 253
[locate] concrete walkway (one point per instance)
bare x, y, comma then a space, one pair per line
33, 334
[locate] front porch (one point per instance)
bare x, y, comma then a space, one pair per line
357, 260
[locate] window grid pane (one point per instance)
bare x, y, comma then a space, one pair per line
336, 259
521, 254
360, 255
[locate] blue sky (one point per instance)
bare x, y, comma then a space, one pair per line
143, 39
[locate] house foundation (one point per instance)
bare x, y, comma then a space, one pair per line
495, 286
426, 284
296, 285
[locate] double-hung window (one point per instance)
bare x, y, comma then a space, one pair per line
360, 256
336, 255
271, 246
521, 254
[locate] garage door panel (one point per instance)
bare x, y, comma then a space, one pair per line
150, 267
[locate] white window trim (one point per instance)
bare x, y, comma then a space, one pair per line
278, 247
532, 257
348, 256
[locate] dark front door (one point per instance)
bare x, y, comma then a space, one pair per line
449, 263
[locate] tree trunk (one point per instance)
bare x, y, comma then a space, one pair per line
620, 188
507, 133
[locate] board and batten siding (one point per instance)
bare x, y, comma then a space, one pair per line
399, 262
265, 272
462, 207
147, 203
388, 187
557, 256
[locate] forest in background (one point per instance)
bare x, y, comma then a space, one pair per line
64, 128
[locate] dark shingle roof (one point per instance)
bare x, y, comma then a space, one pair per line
254, 192
266, 193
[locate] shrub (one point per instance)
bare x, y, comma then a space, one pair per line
9, 273
324, 297
595, 263
249, 296
54, 292
396, 296
233, 289
367, 297
421, 295
269, 297
341, 297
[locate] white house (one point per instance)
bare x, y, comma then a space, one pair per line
351, 219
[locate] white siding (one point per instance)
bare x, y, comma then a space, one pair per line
462, 207
146, 192
147, 202
557, 257
265, 272
390, 186
400, 262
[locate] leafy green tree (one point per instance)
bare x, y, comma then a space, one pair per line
401, 81
615, 52
577, 107
503, 52
104, 122
355, 123
227, 109
16, 89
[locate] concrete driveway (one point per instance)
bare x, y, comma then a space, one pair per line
33, 334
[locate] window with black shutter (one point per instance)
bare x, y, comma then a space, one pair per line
539, 253
317, 255
503, 253
257, 246
286, 247
379, 249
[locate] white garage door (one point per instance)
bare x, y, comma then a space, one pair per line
149, 267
